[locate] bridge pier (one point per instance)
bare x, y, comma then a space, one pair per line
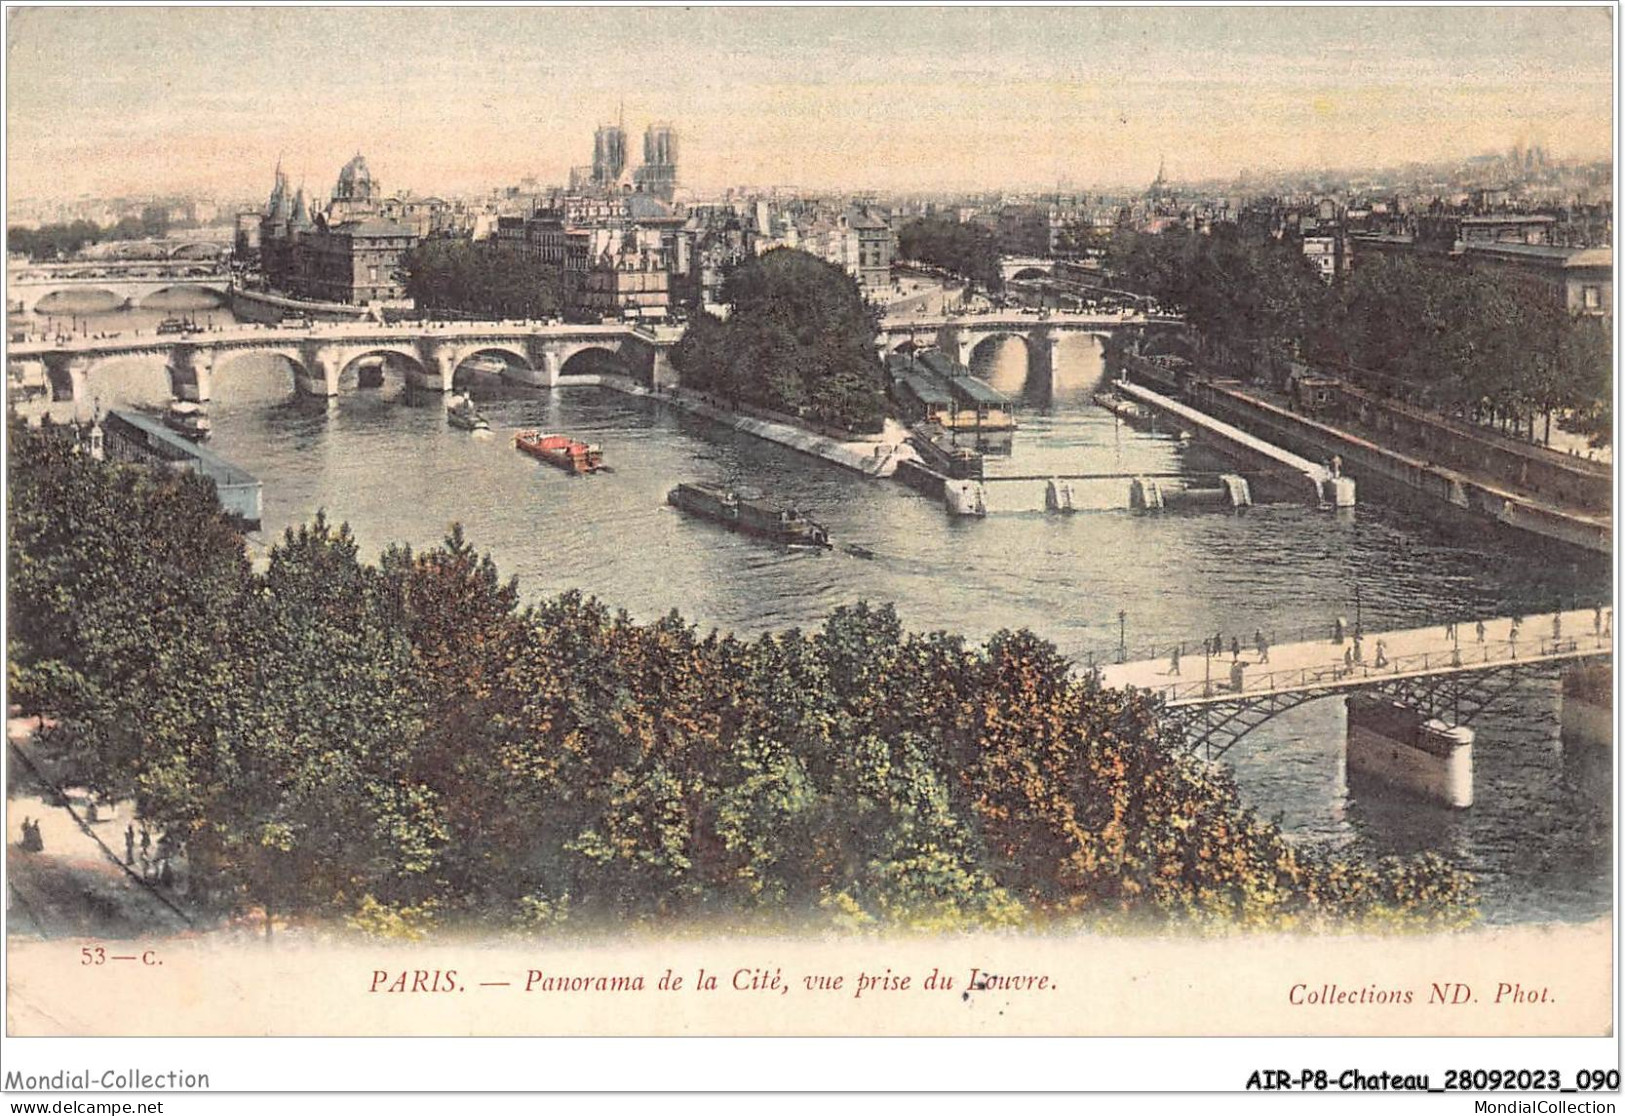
66, 373
439, 361
191, 374
1588, 706
1041, 360
318, 373
1395, 744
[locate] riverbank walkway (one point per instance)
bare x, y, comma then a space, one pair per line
77, 885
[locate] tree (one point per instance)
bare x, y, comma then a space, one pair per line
969, 251
486, 279
799, 339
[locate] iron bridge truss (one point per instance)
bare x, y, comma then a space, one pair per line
1457, 697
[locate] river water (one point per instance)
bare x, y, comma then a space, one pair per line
1538, 837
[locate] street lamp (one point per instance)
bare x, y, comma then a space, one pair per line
1122, 635
1359, 624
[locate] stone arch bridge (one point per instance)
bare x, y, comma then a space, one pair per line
430, 354
960, 336
23, 296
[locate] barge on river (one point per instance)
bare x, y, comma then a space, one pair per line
560, 451
749, 517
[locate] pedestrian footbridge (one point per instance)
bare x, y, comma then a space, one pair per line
1415, 690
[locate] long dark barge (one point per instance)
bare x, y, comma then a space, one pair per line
748, 517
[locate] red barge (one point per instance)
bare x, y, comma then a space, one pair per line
561, 451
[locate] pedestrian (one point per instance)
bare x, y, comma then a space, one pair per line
1557, 626
1339, 626
1479, 628
1348, 659
1359, 656
1262, 644
1218, 644
1235, 649
1173, 661
1596, 621
129, 845
1382, 654
1450, 630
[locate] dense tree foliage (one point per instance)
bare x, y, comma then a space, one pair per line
969, 251
1462, 340
56, 241
450, 275
798, 338
404, 745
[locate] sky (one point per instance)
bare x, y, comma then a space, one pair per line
108, 101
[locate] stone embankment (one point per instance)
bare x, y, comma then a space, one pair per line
873, 457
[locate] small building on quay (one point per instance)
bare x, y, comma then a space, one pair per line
933, 387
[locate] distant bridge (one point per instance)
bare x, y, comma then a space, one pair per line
321, 355
121, 282
1024, 267
960, 335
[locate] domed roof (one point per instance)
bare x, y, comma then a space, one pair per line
355, 180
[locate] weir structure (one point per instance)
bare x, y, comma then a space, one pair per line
1302, 480
1412, 693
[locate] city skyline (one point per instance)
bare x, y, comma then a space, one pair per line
887, 99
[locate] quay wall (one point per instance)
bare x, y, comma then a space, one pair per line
1435, 486
1521, 465
262, 306
877, 458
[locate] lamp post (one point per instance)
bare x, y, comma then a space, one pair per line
1359, 623
1122, 635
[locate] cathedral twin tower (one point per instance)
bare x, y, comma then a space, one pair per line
657, 175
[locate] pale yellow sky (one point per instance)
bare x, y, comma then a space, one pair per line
106, 101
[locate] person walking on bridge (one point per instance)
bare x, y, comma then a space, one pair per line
1173, 661
1262, 644
1235, 649
1479, 629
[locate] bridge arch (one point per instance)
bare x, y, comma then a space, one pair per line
197, 250
1029, 273
351, 371
143, 377
286, 360
68, 301
592, 358
512, 353
183, 296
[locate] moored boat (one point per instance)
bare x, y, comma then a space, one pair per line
560, 451
750, 517
188, 418
462, 414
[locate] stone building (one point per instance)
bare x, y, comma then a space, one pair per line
348, 253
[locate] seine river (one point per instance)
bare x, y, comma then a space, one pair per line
1538, 837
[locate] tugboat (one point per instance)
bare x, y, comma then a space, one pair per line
560, 451
462, 414
188, 419
750, 517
